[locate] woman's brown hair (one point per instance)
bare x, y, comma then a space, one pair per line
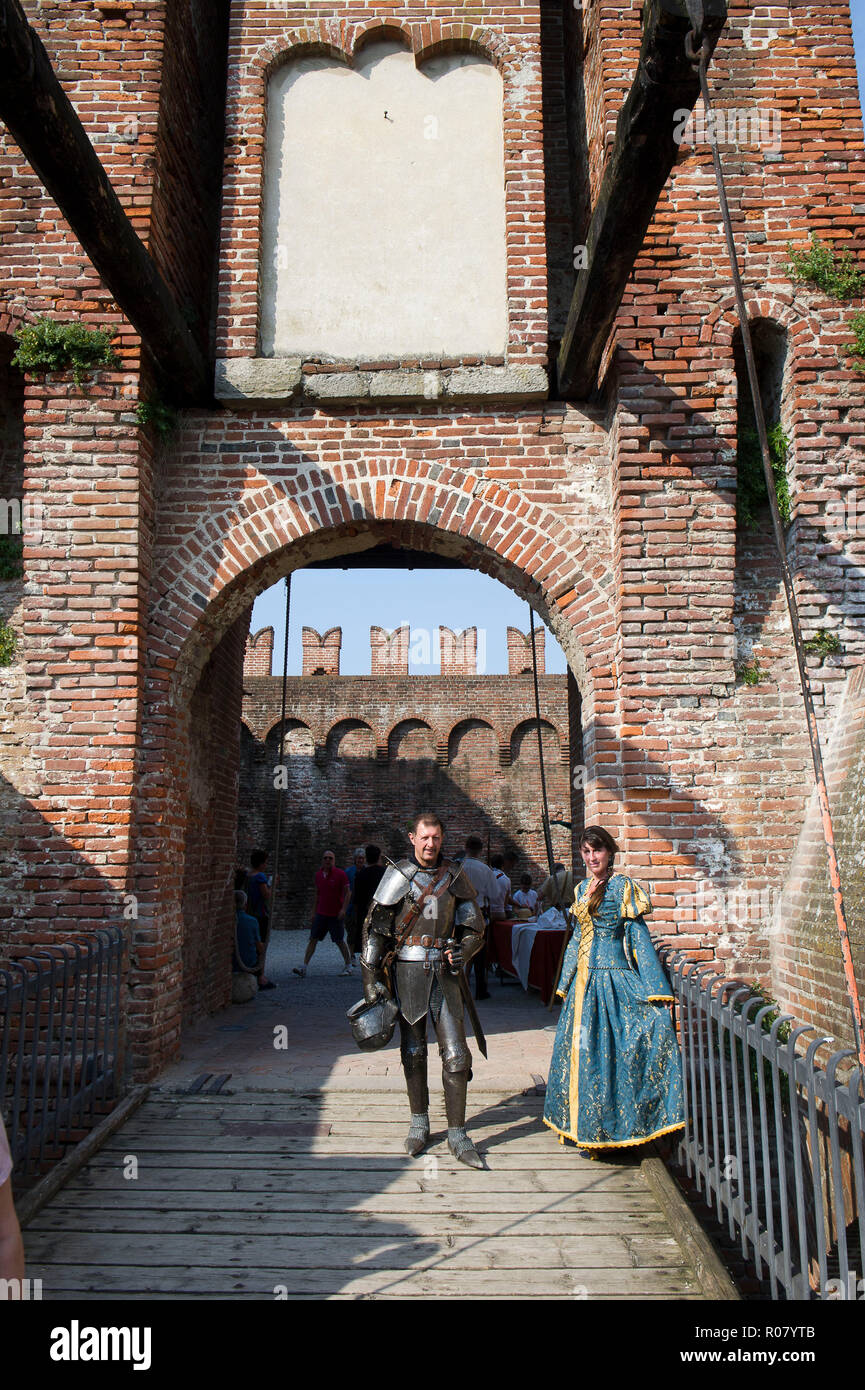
599, 838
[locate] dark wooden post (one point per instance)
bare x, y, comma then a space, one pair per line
643, 155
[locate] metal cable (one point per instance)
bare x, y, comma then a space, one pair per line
281, 788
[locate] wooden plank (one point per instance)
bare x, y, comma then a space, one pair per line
585, 1177
88, 1296
399, 1250
465, 1182
78, 1206
353, 1225
438, 1283
639, 165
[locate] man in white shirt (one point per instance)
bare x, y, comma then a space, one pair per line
501, 902
485, 884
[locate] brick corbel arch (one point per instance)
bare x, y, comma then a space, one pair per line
720, 325
475, 719
343, 42
415, 718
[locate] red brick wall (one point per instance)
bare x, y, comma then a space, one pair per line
208, 874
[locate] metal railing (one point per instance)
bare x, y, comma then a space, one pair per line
60, 1041
773, 1142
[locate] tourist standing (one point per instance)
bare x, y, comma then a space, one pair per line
367, 880
352, 925
558, 889
484, 882
332, 891
11, 1245
258, 900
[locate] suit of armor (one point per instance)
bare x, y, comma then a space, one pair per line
425, 983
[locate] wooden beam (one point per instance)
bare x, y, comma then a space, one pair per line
643, 156
44, 124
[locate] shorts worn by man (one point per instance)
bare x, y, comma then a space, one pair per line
426, 976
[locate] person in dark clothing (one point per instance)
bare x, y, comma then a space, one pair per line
366, 881
258, 895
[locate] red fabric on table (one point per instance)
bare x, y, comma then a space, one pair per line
546, 949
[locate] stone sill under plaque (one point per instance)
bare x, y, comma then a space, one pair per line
246, 383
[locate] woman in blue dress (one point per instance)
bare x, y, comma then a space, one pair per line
615, 1077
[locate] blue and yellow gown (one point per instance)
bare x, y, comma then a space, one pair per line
615, 1076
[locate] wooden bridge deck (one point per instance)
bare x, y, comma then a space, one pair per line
261, 1195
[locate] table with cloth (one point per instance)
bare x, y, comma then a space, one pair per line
527, 953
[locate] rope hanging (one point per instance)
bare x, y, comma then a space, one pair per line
698, 51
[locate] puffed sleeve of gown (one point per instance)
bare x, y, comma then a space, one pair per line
639, 949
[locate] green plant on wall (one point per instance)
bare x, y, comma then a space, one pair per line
856, 349
50, 346
823, 643
11, 562
751, 493
7, 644
751, 672
834, 272
156, 413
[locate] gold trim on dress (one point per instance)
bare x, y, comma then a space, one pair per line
613, 1143
584, 950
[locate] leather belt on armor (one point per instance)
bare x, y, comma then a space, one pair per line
434, 943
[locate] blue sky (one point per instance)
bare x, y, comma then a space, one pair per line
356, 599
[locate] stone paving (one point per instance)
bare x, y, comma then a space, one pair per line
306, 1017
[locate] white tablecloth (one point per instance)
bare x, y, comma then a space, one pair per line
522, 940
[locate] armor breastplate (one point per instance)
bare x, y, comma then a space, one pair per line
438, 926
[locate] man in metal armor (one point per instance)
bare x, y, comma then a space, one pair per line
421, 932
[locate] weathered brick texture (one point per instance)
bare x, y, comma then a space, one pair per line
616, 517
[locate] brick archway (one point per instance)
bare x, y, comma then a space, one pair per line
198, 618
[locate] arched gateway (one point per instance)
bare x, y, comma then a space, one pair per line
199, 617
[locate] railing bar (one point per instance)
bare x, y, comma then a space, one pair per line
816, 1173
764, 1142
61, 1060
857, 1137
714, 1103
691, 1006
748, 1050
725, 1197
739, 1206
836, 1190
19, 1143
85, 1042
801, 1282
49, 1040
781, 1153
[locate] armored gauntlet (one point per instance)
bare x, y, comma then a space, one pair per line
378, 932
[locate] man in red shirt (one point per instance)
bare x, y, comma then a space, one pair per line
332, 892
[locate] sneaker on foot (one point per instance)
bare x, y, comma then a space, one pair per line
346, 970
299, 970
